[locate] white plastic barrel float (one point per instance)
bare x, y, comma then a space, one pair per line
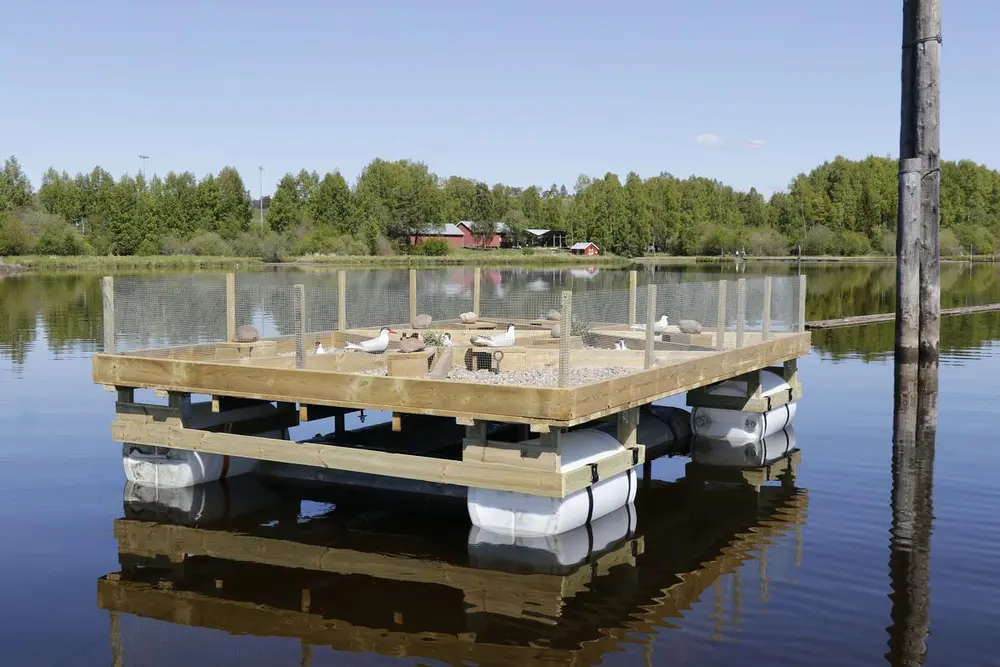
521, 514
718, 423
551, 553
743, 454
178, 468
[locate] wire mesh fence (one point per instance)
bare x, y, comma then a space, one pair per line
514, 327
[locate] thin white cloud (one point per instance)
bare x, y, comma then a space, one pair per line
755, 143
708, 140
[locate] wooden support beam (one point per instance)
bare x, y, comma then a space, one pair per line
502, 477
397, 422
757, 403
628, 424
565, 327
801, 314
477, 277
230, 307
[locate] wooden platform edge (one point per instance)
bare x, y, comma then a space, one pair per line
484, 475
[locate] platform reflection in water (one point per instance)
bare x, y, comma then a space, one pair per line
384, 579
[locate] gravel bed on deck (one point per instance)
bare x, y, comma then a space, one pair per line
540, 377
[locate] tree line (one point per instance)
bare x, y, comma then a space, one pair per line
842, 207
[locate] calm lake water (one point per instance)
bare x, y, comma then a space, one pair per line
805, 573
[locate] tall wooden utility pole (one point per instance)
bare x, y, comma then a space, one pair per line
917, 235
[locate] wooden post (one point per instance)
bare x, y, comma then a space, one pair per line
720, 318
928, 122
765, 330
741, 310
230, 307
108, 301
650, 322
413, 296
565, 327
633, 282
476, 282
341, 300
801, 316
299, 305
908, 262
628, 423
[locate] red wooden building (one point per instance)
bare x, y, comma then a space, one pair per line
459, 236
584, 248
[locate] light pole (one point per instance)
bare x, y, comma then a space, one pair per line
143, 158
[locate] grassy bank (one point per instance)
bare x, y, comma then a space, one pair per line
130, 263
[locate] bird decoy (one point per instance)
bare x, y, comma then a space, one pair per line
502, 340
659, 326
373, 345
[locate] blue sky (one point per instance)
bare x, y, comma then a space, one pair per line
515, 91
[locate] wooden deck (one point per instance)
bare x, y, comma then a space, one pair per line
252, 390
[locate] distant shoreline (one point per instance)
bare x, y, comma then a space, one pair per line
25, 264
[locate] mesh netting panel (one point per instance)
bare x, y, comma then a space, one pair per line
168, 311
446, 294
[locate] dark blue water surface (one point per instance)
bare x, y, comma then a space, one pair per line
798, 574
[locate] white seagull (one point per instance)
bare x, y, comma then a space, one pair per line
375, 345
503, 340
620, 344
446, 340
319, 349
659, 326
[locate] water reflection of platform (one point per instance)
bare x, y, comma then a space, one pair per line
377, 582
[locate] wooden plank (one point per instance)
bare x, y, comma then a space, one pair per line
230, 306
800, 324
407, 466
650, 323
628, 422
742, 403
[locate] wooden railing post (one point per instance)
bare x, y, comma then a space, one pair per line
765, 329
108, 303
230, 307
341, 300
633, 281
720, 327
299, 305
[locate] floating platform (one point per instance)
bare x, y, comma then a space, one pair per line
503, 420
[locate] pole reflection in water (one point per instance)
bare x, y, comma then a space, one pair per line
358, 577
915, 428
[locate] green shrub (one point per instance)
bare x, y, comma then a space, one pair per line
819, 241
528, 252
58, 238
948, 241
14, 239
171, 245
208, 244
852, 244
767, 242
432, 247
273, 248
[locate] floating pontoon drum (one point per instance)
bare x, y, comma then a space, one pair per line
719, 423
511, 513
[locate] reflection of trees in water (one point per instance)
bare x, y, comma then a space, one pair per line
67, 307
180, 309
